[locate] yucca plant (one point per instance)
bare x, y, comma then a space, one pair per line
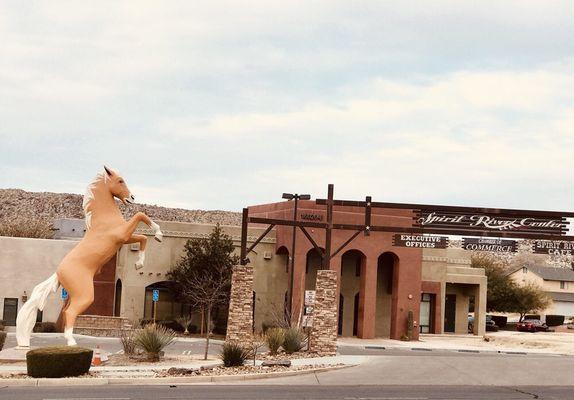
128, 340
293, 341
184, 322
274, 338
233, 354
152, 339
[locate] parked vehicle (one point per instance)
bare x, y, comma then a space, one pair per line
532, 325
490, 324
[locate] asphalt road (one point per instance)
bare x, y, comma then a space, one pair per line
214, 392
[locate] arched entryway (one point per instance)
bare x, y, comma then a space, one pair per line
118, 299
351, 265
167, 307
386, 270
312, 265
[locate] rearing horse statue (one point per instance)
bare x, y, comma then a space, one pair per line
106, 232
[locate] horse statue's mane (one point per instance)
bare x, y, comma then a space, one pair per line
89, 197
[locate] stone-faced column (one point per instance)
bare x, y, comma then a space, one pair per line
324, 333
240, 319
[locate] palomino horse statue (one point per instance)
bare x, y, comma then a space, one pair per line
106, 232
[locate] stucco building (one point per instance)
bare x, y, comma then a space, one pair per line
380, 283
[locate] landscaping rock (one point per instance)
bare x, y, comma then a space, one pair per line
277, 363
181, 371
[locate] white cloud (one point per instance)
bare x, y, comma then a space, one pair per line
222, 104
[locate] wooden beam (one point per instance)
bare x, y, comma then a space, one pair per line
315, 245
244, 222
260, 238
283, 222
329, 229
367, 215
346, 243
459, 209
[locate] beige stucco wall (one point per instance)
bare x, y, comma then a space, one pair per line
270, 277
452, 268
26, 262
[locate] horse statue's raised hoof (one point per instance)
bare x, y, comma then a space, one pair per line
141, 260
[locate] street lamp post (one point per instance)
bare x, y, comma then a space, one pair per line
296, 197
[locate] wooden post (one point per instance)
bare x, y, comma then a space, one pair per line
244, 222
329, 228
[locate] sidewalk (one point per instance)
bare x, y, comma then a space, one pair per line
498, 342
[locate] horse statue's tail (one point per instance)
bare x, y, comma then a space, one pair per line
27, 315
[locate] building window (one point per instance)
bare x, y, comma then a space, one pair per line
524, 270
563, 285
426, 312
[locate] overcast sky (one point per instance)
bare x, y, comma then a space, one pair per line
223, 104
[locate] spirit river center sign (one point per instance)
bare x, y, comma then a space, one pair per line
491, 222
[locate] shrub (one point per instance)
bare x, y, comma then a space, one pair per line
58, 362
152, 339
128, 340
45, 327
192, 329
171, 324
2, 339
554, 320
293, 341
184, 323
233, 354
274, 339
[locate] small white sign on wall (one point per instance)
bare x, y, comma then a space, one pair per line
309, 297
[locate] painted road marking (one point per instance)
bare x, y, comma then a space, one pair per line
89, 398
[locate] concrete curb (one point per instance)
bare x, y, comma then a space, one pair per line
475, 351
176, 380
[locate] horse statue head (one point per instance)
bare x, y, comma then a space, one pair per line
117, 186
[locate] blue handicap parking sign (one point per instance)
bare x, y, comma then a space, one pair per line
155, 295
64, 294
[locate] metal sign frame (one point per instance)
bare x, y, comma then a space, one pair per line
509, 223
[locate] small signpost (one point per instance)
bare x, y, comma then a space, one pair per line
309, 297
309, 308
155, 299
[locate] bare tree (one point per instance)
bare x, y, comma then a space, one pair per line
206, 290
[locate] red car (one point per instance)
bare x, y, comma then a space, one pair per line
531, 325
